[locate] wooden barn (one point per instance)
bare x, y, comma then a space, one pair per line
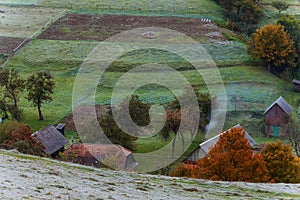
202, 150
101, 156
52, 138
296, 84
276, 117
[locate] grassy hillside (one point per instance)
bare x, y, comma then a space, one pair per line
255, 87
203, 8
30, 177
65, 43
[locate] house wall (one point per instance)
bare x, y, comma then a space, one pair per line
296, 88
282, 130
275, 117
195, 156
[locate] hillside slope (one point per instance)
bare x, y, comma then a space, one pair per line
28, 177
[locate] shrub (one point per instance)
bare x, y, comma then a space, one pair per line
185, 171
282, 164
6, 129
16, 135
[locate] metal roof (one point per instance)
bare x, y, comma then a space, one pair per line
208, 144
296, 82
283, 104
51, 138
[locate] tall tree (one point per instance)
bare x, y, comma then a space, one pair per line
115, 134
292, 27
40, 89
243, 15
139, 113
12, 85
274, 46
232, 159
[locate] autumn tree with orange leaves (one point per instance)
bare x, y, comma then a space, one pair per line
274, 46
231, 159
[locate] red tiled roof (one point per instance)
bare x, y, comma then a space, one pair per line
102, 152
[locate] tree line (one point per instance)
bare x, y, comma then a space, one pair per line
39, 89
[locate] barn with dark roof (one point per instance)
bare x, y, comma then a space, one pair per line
53, 140
276, 118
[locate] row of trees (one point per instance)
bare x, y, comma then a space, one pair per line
232, 159
139, 112
39, 90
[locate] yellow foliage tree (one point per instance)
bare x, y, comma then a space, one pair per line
282, 164
274, 46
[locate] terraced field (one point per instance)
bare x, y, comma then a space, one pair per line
189, 8
64, 44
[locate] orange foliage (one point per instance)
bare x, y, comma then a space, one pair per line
282, 164
273, 45
231, 159
185, 170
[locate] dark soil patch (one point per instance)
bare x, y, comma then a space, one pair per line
8, 44
101, 27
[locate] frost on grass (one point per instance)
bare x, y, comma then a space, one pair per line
32, 177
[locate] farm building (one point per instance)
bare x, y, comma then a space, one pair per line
53, 140
296, 85
276, 118
203, 149
101, 156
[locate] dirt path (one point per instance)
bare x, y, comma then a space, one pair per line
28, 177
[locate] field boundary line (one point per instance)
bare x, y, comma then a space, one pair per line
48, 24
36, 34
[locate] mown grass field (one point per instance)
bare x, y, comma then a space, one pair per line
23, 22
192, 8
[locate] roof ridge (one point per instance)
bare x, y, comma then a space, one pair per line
278, 102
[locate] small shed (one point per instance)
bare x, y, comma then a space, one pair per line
101, 156
276, 118
52, 139
202, 150
296, 85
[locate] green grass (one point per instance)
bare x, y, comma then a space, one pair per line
23, 22
271, 15
253, 85
203, 8
144, 145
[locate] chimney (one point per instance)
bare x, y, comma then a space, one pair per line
61, 128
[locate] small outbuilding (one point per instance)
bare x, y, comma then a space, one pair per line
101, 156
296, 84
276, 118
202, 150
52, 139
